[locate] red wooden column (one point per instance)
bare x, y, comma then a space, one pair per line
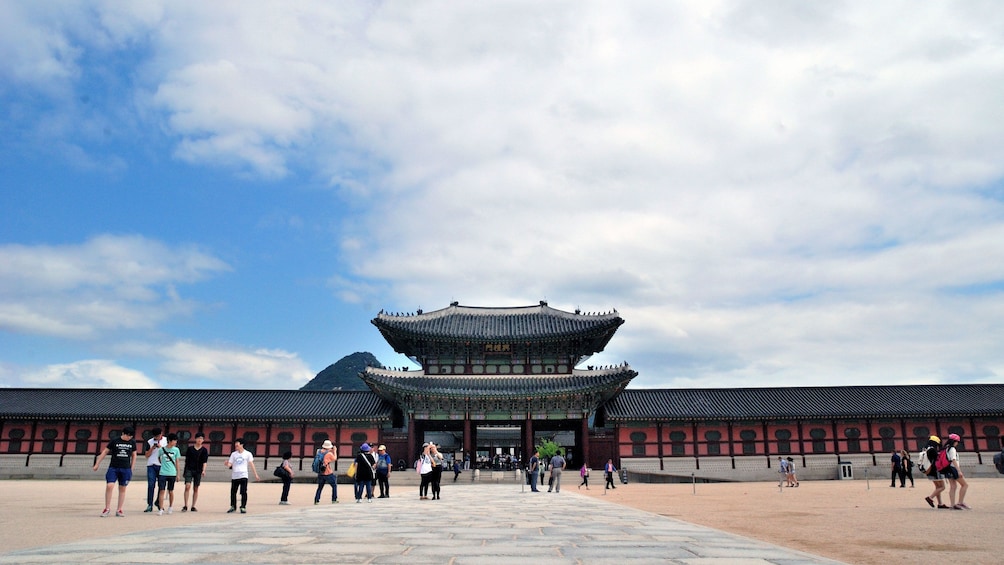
412, 448
528, 445
585, 440
469, 439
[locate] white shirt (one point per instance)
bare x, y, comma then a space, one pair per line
239, 464
153, 455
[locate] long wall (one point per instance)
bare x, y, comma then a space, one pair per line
838, 437
26, 446
711, 450
748, 450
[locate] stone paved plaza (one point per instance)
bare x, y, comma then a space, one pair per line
471, 524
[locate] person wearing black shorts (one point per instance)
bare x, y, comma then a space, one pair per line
196, 458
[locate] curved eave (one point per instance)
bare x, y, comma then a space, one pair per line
391, 384
486, 325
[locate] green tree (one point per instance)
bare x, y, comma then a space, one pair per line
549, 449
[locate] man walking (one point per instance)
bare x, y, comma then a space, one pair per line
238, 463
123, 457
154, 446
557, 466
196, 458
327, 474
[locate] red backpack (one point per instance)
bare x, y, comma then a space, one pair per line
942, 462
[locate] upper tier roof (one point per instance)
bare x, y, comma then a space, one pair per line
477, 324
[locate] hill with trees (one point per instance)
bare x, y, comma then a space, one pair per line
343, 375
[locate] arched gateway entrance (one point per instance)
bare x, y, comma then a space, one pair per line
489, 373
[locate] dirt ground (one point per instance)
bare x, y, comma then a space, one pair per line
852, 521
858, 521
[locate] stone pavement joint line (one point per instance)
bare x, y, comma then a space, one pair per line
472, 524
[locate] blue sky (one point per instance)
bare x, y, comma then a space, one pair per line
224, 195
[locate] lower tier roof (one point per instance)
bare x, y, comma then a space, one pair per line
907, 401
845, 402
192, 404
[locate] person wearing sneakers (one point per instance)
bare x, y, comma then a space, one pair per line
287, 477
365, 471
954, 473
926, 459
123, 456
327, 475
196, 459
384, 467
238, 464
169, 473
153, 465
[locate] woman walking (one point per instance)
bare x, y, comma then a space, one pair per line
286, 477
584, 473
927, 457
609, 471
954, 474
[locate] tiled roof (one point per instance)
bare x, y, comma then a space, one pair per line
578, 382
921, 401
470, 323
158, 404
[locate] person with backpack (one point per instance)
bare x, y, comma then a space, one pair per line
385, 465
324, 466
285, 473
954, 472
927, 458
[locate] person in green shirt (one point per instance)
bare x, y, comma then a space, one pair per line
169, 472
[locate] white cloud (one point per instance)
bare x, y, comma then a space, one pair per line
105, 284
232, 366
91, 373
773, 191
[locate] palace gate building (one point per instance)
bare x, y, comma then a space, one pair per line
495, 382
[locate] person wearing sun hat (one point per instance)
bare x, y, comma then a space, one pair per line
384, 466
365, 471
954, 474
327, 475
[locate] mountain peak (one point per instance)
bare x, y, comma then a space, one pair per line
344, 375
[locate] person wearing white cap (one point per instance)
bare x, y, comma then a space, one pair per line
437, 470
424, 467
327, 476
383, 469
